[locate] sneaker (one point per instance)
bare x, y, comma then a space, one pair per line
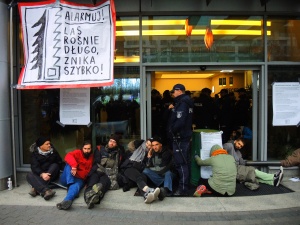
98, 189
66, 204
49, 194
156, 193
32, 192
92, 201
162, 194
149, 197
201, 189
278, 176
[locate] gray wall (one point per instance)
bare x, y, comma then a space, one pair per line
5, 122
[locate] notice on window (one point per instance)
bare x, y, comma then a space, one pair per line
74, 106
208, 139
286, 104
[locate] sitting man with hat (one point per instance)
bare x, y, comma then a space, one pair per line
103, 175
45, 165
158, 167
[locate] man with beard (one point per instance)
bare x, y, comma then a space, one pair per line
249, 175
78, 165
103, 175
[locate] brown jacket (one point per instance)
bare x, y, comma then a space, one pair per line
292, 160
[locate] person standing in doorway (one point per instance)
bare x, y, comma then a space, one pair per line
180, 131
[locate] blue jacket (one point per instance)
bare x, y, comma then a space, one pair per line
181, 119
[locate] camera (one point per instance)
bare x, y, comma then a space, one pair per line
202, 68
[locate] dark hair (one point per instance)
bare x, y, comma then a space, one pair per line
86, 142
242, 140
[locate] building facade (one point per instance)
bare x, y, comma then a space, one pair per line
158, 44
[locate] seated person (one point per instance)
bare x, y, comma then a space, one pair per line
248, 174
103, 175
132, 170
223, 179
78, 164
292, 160
45, 166
158, 167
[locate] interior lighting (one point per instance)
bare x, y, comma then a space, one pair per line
195, 32
127, 59
239, 22
186, 76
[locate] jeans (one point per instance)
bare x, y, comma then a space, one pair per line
158, 179
74, 184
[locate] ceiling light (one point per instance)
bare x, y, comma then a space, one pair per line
226, 71
185, 76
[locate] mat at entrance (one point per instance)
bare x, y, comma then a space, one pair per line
241, 190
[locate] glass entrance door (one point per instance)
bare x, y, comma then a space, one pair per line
223, 100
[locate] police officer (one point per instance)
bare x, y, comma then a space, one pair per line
180, 129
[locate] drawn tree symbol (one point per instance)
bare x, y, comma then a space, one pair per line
39, 45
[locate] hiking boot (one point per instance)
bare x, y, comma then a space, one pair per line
201, 189
162, 194
98, 189
66, 204
32, 192
89, 194
278, 176
92, 201
49, 194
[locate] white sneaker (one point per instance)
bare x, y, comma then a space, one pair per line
156, 193
149, 197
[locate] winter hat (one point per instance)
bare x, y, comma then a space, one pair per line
214, 148
41, 140
156, 138
115, 137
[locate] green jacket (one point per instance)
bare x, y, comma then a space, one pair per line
224, 172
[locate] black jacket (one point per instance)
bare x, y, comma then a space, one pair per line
41, 163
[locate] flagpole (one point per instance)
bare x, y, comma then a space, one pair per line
12, 112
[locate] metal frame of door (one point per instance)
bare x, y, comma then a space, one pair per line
259, 99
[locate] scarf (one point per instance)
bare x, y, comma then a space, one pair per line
139, 154
219, 152
45, 153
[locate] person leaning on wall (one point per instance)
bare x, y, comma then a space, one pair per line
45, 165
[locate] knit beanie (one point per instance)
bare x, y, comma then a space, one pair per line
156, 138
215, 147
41, 140
115, 137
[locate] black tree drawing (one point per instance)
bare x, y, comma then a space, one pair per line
39, 45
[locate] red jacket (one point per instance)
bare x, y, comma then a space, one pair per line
83, 165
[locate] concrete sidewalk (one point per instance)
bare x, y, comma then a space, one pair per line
117, 207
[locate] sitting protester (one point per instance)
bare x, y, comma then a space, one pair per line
158, 167
223, 179
249, 175
78, 164
45, 165
103, 175
132, 171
